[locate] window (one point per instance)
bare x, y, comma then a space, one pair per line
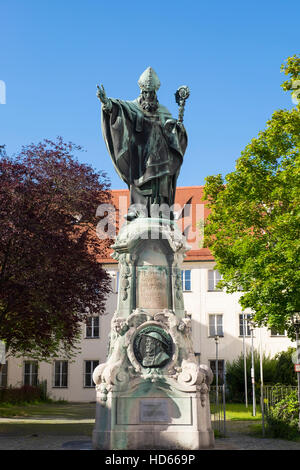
3, 375
247, 324
213, 278
186, 280
216, 325
60, 373
212, 365
92, 327
89, 367
278, 332
30, 376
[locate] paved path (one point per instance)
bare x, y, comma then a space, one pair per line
244, 442
45, 442
50, 442
237, 439
240, 437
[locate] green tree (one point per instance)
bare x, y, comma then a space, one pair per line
285, 372
253, 226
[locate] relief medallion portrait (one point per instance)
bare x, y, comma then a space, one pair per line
153, 347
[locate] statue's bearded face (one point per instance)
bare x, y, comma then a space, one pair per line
148, 100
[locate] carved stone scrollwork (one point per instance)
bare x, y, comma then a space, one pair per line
97, 375
152, 346
115, 371
178, 284
204, 387
138, 317
185, 325
190, 374
119, 325
125, 275
166, 317
209, 376
103, 393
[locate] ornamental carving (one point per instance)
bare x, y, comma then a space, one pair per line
145, 346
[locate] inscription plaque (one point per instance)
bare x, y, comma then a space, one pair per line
152, 288
156, 410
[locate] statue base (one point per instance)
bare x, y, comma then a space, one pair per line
153, 416
151, 392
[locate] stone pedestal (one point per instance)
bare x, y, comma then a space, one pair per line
151, 393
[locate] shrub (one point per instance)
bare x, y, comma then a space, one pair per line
26, 393
276, 370
285, 373
235, 378
283, 417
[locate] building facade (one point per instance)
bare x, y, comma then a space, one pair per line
213, 312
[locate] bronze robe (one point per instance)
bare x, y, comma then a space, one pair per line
147, 151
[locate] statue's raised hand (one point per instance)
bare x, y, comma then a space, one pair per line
101, 94
106, 102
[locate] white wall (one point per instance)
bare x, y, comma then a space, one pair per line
199, 302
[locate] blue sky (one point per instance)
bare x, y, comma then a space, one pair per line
53, 53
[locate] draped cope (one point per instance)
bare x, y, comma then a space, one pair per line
146, 150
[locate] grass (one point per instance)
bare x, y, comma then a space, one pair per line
78, 411
240, 419
57, 418
239, 412
51, 429
56, 410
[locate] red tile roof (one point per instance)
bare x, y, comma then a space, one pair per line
190, 209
